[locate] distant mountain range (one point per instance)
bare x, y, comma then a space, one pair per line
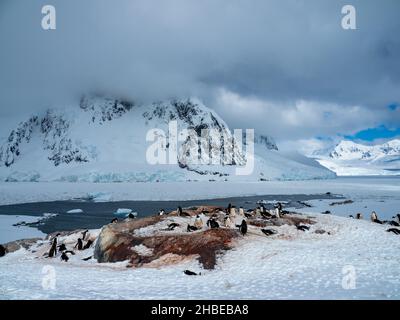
350, 158
103, 139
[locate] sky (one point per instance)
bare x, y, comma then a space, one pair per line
286, 68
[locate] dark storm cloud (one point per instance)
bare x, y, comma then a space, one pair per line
284, 67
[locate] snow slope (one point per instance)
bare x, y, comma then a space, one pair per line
350, 158
104, 140
300, 265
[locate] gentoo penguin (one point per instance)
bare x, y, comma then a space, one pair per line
258, 211
228, 222
394, 223
302, 227
198, 223
212, 223
115, 220
191, 228
88, 244
268, 232
190, 273
359, 216
374, 218
53, 249
2, 251
279, 207
182, 213
64, 257
161, 212
394, 230
242, 227
172, 226
241, 211
79, 244
62, 247
84, 234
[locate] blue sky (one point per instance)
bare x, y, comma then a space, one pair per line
371, 134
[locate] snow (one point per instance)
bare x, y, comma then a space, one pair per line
75, 211
299, 265
8, 232
354, 159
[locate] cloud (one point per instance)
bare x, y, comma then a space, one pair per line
286, 67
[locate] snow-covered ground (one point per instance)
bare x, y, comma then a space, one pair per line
358, 260
23, 192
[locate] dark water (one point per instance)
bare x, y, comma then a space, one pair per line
96, 214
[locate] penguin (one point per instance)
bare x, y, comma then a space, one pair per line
191, 273
87, 258
182, 213
359, 216
172, 226
232, 212
62, 247
131, 216
268, 232
242, 227
228, 209
79, 244
394, 223
88, 244
115, 220
191, 228
394, 230
266, 215
161, 212
84, 234
64, 257
279, 207
374, 218
2, 251
258, 211
198, 223
241, 211
351, 216
277, 213
228, 222
248, 215
53, 249
302, 227
398, 217
212, 223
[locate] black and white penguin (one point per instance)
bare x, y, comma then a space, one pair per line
131, 216
212, 223
190, 273
198, 222
374, 218
351, 216
394, 223
62, 247
84, 234
302, 227
79, 244
228, 209
359, 216
161, 212
243, 227
191, 228
88, 244
394, 230
181, 213
64, 255
172, 226
53, 249
115, 220
268, 232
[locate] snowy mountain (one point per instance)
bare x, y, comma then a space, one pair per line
350, 158
107, 140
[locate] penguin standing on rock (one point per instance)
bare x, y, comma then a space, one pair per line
181, 213
359, 216
84, 234
228, 222
198, 223
241, 211
161, 212
212, 223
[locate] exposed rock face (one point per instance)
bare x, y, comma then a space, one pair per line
117, 242
18, 244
